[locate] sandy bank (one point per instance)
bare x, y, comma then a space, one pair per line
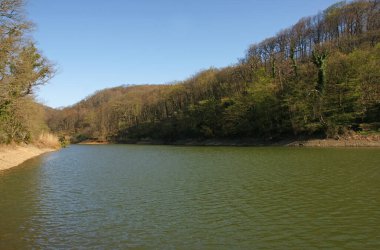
11, 156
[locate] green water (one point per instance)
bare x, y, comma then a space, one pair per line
166, 197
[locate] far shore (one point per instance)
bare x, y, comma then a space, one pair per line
348, 141
14, 155
90, 142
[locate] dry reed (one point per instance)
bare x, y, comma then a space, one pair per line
47, 140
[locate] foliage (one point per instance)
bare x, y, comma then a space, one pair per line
319, 77
22, 68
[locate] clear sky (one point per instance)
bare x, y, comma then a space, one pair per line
97, 44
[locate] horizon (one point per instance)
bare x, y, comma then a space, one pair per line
151, 44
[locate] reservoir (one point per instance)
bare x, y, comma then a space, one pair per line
173, 197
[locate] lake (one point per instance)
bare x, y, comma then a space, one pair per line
172, 197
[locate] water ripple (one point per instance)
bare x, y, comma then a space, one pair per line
193, 198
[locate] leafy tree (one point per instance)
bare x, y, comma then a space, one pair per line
22, 68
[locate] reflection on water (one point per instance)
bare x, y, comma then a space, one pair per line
120, 196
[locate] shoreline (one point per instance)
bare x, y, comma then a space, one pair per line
14, 155
348, 141
88, 142
322, 143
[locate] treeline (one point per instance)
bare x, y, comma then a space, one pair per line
320, 77
22, 68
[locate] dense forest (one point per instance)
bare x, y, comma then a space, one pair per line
22, 68
320, 77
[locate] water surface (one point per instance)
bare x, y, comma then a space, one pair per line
131, 196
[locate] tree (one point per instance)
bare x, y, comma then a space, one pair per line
319, 60
22, 68
319, 77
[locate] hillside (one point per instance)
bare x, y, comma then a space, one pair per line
318, 78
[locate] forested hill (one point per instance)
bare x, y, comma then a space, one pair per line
320, 77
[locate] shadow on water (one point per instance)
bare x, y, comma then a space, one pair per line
19, 203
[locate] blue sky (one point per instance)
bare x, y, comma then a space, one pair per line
97, 44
